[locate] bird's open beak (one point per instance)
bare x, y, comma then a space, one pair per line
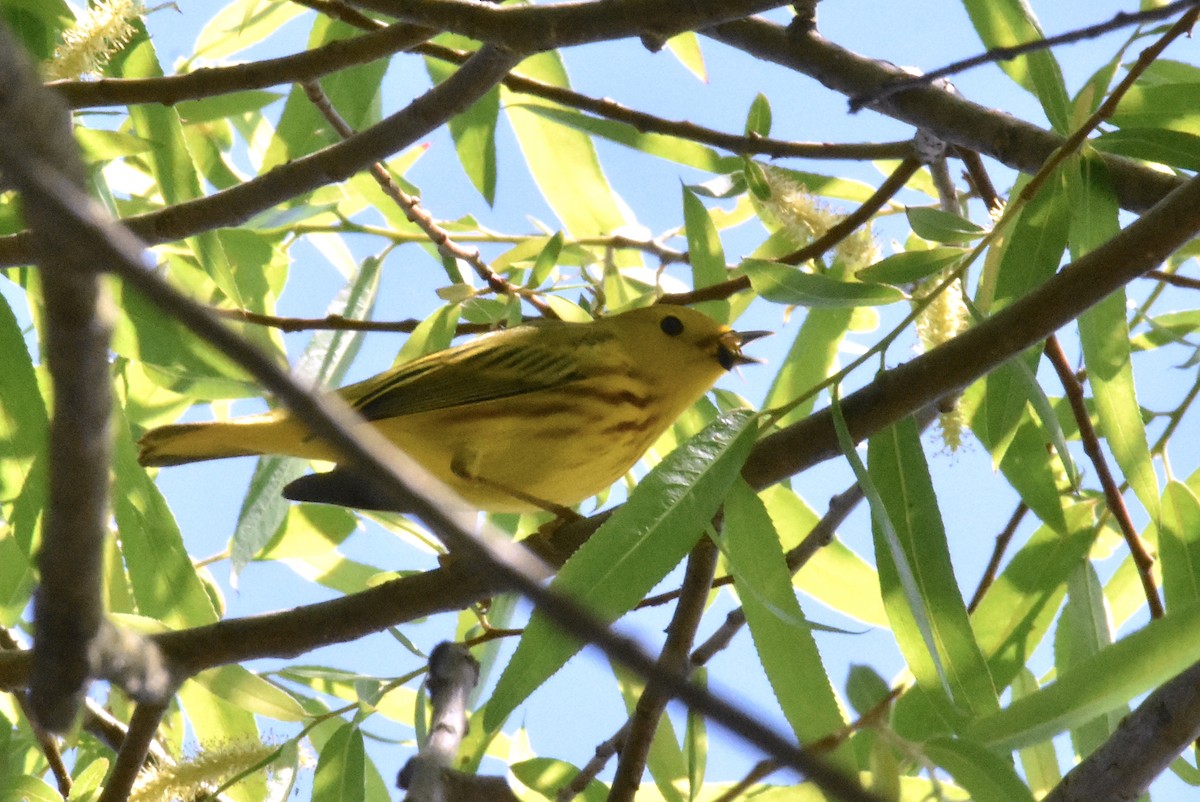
729, 348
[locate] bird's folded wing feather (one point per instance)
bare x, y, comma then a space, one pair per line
486, 373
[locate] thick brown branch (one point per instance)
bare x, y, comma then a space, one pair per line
948, 116
530, 29
212, 81
338, 162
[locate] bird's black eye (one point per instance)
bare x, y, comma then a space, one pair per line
672, 326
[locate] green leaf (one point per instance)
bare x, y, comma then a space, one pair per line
810, 360
1098, 684
908, 267
164, 580
982, 773
563, 162
474, 133
784, 284
324, 363
835, 575
1027, 464
219, 107
1179, 545
782, 636
242, 24
546, 775
1004, 23
1082, 632
1104, 335
302, 128
176, 177
663, 146
104, 146
245, 689
1038, 761
634, 549
938, 226
1175, 107
1161, 145
1018, 609
547, 260
28, 789
664, 760
758, 120
917, 579
341, 767
705, 253
686, 48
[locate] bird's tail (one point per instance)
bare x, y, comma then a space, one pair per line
181, 443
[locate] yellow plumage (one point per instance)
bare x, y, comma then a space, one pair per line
540, 415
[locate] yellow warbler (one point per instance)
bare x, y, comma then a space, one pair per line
542, 415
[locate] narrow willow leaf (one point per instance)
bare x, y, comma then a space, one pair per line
1174, 106
695, 742
781, 634
563, 162
1161, 145
1029, 254
1018, 609
686, 47
324, 363
546, 776
245, 689
341, 769
1039, 761
164, 580
1003, 23
474, 133
547, 260
705, 252
900, 475
985, 775
1104, 335
1179, 546
810, 360
176, 176
663, 146
1032, 469
907, 267
1097, 684
240, 25
784, 284
1082, 632
634, 549
938, 226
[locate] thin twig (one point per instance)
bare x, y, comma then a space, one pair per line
697, 582
420, 217
1121, 20
836, 233
143, 725
993, 567
1142, 558
1174, 279
337, 323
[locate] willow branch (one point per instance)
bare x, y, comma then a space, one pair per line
531, 29
1020, 145
1122, 19
212, 81
236, 205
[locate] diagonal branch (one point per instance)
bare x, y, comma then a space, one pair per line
1020, 145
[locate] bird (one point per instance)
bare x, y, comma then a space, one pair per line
538, 416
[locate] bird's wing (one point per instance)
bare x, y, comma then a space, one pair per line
486, 372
